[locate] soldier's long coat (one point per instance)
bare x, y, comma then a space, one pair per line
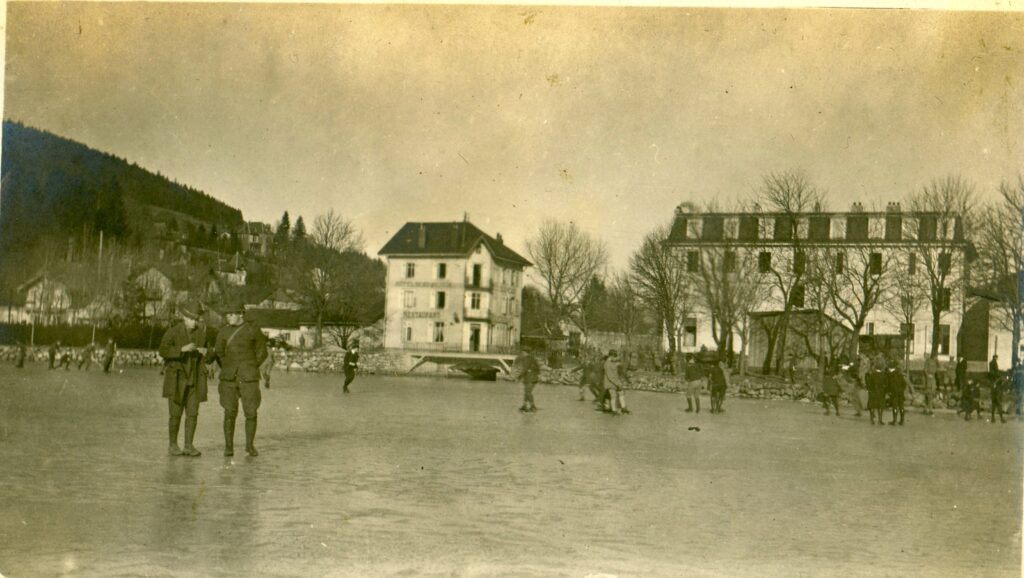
185, 370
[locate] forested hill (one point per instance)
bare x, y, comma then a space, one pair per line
52, 185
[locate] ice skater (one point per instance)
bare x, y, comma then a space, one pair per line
108, 354
719, 384
830, 392
614, 383
897, 385
87, 353
529, 371
351, 364
694, 375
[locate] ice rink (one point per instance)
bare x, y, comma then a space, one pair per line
432, 476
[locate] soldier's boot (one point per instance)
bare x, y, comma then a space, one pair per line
902, 416
190, 433
871, 412
696, 404
689, 403
250, 436
173, 424
229, 435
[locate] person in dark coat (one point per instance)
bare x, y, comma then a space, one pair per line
87, 352
65, 358
22, 353
876, 390
1017, 383
897, 385
694, 376
108, 354
999, 385
719, 380
830, 391
615, 382
529, 371
592, 377
184, 348
931, 372
52, 352
960, 383
240, 350
351, 363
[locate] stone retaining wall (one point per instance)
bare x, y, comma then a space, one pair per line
394, 363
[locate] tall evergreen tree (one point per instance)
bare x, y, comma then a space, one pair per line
284, 228
299, 232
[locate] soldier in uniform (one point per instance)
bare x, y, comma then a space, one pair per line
351, 363
184, 348
830, 391
529, 370
240, 350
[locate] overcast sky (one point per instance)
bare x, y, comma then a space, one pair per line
606, 116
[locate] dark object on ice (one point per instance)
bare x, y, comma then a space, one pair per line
693, 428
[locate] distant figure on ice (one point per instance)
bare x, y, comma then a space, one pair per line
931, 372
897, 384
52, 353
184, 348
694, 376
108, 354
266, 368
614, 383
529, 371
719, 383
1018, 389
22, 353
65, 358
876, 390
592, 377
87, 352
830, 391
351, 364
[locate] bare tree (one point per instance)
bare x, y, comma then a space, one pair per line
855, 279
944, 209
789, 196
1001, 254
333, 231
626, 309
567, 259
907, 295
661, 279
730, 289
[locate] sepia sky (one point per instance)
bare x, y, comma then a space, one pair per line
606, 116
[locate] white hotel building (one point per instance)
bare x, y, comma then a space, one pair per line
451, 288
780, 241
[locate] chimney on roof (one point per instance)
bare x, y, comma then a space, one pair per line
857, 207
422, 241
893, 208
498, 237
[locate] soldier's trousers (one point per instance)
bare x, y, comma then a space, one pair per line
246, 391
